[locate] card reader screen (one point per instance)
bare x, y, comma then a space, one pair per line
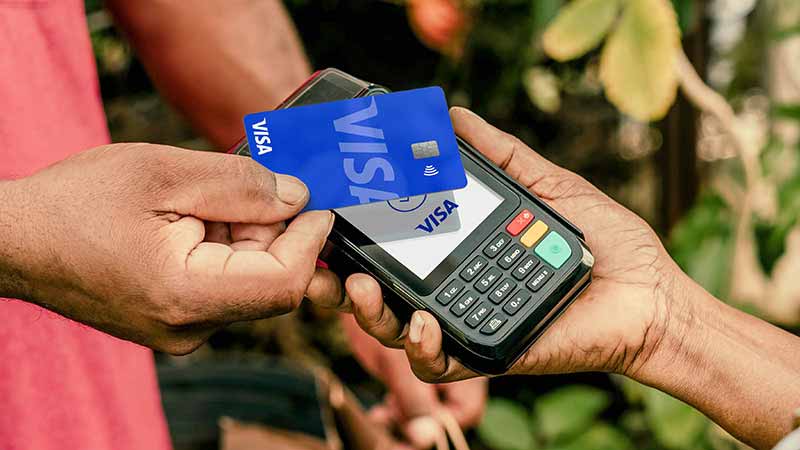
420, 232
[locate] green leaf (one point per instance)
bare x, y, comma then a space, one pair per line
506, 425
637, 65
675, 424
787, 111
566, 411
600, 436
578, 28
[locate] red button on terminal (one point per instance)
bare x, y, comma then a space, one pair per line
519, 223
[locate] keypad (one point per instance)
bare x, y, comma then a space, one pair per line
478, 314
496, 245
510, 256
512, 268
474, 268
488, 280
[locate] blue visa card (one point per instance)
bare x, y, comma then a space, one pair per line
362, 150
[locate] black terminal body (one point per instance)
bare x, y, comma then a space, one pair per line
500, 288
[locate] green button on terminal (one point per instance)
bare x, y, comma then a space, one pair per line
554, 250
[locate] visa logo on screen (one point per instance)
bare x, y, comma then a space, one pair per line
439, 215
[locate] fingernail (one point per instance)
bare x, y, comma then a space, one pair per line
415, 330
290, 189
468, 112
330, 225
423, 431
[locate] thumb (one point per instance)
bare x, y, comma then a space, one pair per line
503, 149
232, 188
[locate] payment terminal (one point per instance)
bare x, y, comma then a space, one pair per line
492, 262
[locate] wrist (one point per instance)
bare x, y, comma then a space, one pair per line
679, 338
738, 370
14, 276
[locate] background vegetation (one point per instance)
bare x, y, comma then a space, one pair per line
687, 112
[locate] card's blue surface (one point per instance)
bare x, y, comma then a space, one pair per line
362, 150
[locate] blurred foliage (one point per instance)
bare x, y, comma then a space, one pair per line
575, 417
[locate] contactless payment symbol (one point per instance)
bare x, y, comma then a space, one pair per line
430, 171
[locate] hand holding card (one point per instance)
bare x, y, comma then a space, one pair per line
362, 150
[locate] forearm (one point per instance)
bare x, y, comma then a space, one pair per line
740, 371
13, 281
216, 60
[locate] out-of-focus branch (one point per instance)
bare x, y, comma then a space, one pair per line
711, 102
748, 280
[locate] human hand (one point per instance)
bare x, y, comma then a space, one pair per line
411, 404
161, 245
616, 324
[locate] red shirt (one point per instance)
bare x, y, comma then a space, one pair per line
62, 385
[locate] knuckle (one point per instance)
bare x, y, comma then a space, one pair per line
180, 346
259, 181
175, 317
514, 146
174, 313
563, 184
290, 299
428, 375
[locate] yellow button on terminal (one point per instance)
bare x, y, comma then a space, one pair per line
534, 233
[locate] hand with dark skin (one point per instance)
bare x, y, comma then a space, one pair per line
409, 403
641, 317
158, 245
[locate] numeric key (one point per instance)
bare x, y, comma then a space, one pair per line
525, 267
474, 268
488, 280
510, 256
478, 314
498, 243
516, 302
464, 303
502, 290
449, 293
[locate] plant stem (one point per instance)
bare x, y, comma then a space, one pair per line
748, 280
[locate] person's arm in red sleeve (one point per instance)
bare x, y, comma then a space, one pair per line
216, 60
